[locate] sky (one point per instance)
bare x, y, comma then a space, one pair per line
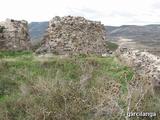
109, 12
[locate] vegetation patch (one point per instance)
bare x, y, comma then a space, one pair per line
11, 54
70, 88
112, 46
2, 29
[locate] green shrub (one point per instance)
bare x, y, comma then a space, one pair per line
111, 46
2, 29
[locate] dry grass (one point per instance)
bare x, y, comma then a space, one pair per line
77, 88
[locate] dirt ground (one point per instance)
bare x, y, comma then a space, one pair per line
150, 46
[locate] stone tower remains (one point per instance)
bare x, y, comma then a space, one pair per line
73, 35
14, 35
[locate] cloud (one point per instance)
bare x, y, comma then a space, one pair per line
109, 12
156, 5
86, 12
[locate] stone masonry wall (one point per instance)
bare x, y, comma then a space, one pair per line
72, 35
14, 35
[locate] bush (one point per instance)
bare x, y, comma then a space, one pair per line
111, 46
2, 29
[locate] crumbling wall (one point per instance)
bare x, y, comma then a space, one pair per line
144, 63
71, 35
14, 35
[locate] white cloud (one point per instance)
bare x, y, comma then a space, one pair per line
110, 12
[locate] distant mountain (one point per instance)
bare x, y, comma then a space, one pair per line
147, 32
37, 29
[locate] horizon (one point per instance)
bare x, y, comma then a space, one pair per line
82, 16
104, 24
29, 22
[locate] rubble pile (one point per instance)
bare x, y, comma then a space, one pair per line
143, 62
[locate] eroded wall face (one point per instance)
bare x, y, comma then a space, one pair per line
69, 35
14, 35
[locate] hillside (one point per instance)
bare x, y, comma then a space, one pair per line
71, 88
145, 37
36, 29
78, 86
140, 37
147, 32
66, 87
140, 33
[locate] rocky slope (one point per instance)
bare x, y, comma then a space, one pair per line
141, 37
71, 35
14, 35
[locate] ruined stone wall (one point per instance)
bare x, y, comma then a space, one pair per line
71, 35
144, 63
14, 35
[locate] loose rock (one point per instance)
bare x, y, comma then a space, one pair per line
143, 62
